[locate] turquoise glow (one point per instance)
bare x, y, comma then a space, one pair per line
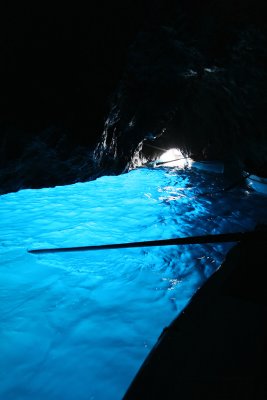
79, 325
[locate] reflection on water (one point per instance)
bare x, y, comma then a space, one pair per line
79, 325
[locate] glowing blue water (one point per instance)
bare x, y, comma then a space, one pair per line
78, 325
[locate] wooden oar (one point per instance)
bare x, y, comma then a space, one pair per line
219, 238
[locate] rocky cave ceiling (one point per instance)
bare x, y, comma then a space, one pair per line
82, 90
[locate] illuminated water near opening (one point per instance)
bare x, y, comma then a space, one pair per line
79, 325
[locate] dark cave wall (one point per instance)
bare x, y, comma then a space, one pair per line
191, 74
196, 80
59, 65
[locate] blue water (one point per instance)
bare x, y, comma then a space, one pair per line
79, 325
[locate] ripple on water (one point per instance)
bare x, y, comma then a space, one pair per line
78, 325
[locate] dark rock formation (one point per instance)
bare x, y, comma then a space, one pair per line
194, 78
59, 65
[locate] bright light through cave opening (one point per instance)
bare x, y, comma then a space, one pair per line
174, 158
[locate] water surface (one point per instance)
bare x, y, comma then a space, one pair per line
79, 325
